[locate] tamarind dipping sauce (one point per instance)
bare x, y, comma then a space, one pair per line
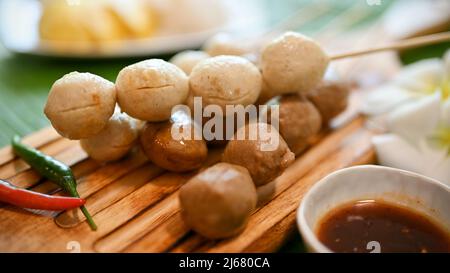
350, 228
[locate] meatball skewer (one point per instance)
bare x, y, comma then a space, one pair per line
294, 63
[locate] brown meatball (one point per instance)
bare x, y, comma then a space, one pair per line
259, 148
165, 151
299, 120
330, 98
218, 201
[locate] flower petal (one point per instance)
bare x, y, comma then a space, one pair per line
435, 163
440, 139
422, 77
416, 120
440, 171
393, 151
384, 98
446, 112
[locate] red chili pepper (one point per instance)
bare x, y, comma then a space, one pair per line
34, 200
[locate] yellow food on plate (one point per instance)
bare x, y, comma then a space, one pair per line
85, 25
138, 19
59, 22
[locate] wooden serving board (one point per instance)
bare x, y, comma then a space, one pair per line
135, 203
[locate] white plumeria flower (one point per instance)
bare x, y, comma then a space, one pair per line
416, 120
414, 82
415, 107
393, 151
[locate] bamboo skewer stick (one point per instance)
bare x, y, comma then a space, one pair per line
403, 44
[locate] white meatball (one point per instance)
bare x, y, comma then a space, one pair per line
226, 80
115, 140
186, 60
149, 89
224, 44
80, 104
293, 63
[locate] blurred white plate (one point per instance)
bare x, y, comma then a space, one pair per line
19, 22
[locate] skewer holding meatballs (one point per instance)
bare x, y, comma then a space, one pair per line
148, 90
218, 202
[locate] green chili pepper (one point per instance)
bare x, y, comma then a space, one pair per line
52, 169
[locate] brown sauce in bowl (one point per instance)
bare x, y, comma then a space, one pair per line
377, 226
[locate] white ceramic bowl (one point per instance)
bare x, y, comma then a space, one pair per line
415, 191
